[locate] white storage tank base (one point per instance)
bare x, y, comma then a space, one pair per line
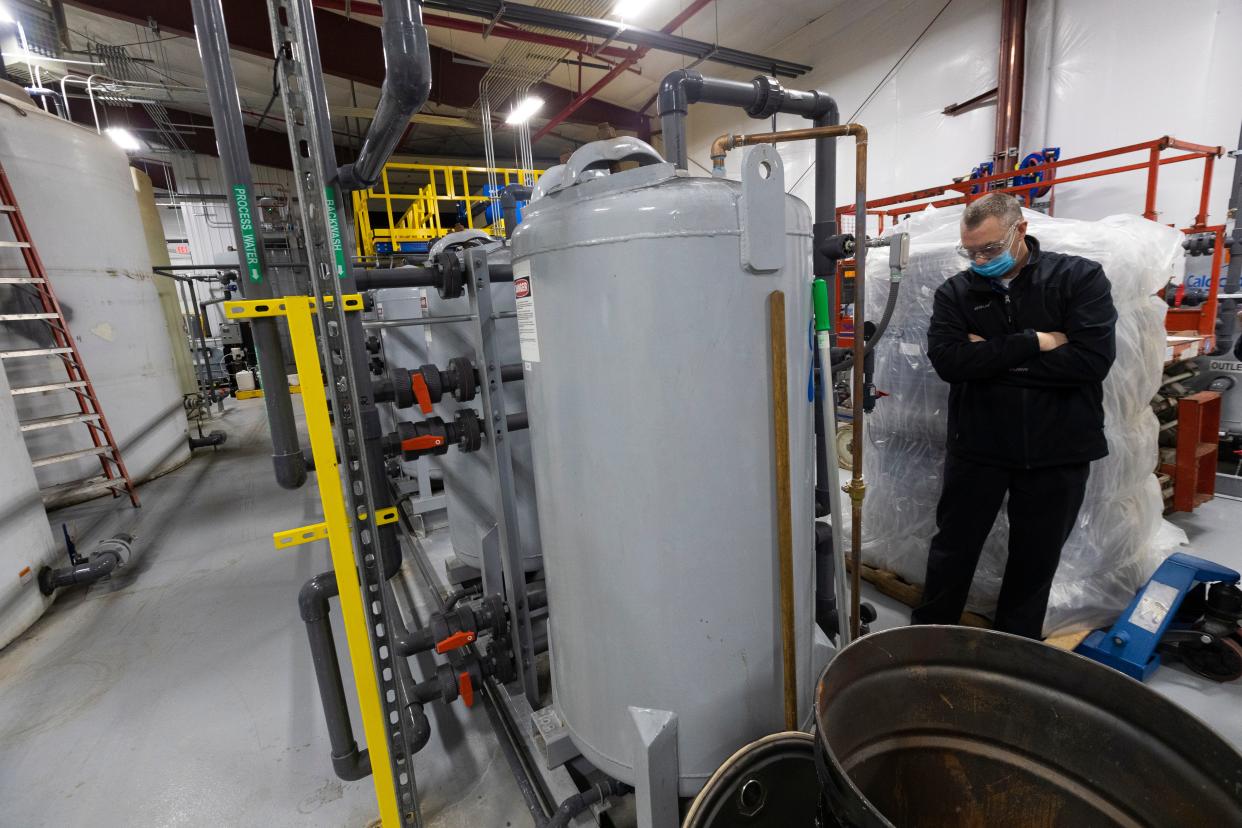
646, 342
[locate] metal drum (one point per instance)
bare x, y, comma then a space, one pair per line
770, 783
954, 726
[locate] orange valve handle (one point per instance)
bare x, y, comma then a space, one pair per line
457, 639
419, 385
466, 688
422, 443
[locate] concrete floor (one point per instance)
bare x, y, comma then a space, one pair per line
181, 691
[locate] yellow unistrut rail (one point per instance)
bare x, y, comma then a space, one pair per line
335, 528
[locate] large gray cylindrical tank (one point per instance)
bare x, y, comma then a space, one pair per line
78, 198
468, 489
646, 348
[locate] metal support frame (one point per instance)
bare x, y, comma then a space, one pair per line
504, 557
365, 658
355, 417
655, 767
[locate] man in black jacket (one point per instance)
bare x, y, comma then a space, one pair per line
1025, 338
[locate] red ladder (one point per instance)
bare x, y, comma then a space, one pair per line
115, 476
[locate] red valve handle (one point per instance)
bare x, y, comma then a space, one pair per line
466, 688
426, 441
457, 639
421, 393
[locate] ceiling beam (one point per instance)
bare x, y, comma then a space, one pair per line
616, 71
505, 11
350, 49
267, 147
441, 21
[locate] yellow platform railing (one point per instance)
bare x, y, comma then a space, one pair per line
413, 210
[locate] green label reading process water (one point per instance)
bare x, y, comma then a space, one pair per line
338, 250
250, 246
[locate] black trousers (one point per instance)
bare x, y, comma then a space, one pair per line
1043, 507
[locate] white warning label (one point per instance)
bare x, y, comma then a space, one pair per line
528, 332
1152, 608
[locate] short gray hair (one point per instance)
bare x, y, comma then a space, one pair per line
1001, 205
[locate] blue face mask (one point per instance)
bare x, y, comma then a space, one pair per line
995, 268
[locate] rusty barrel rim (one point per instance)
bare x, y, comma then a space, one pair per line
1036, 673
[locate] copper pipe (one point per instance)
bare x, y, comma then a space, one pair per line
856, 488
1010, 77
784, 502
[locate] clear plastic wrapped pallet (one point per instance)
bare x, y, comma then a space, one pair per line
1120, 535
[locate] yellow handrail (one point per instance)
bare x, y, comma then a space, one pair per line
415, 216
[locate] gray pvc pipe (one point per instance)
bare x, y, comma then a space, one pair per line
407, 84
213, 49
348, 761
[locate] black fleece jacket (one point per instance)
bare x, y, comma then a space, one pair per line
1011, 405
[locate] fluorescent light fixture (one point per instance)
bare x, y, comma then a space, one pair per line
626, 9
524, 109
123, 138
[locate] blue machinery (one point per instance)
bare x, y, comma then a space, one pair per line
1130, 645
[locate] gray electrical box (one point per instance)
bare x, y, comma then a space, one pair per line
230, 333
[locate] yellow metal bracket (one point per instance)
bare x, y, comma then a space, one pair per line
336, 527
254, 308
319, 531
257, 393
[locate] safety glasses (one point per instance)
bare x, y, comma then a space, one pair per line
989, 251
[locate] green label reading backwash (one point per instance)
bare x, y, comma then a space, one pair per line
338, 250
250, 246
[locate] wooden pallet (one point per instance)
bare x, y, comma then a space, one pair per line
894, 586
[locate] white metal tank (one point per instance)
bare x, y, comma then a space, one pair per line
27, 544
468, 489
78, 197
646, 346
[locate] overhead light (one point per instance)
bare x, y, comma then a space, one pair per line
524, 109
626, 9
123, 138
6, 16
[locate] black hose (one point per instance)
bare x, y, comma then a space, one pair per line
826, 614
578, 803
847, 362
212, 438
